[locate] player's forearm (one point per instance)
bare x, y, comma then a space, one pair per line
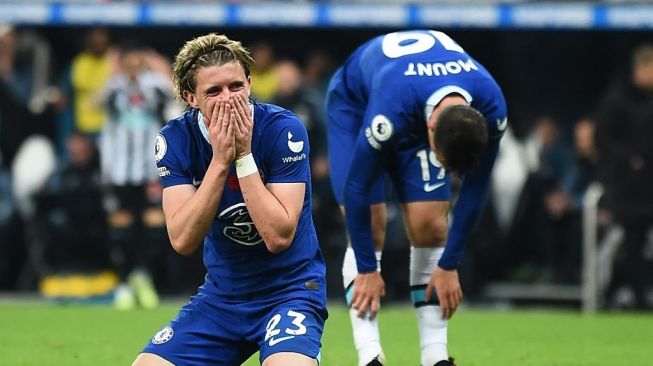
188, 226
273, 222
468, 209
360, 179
359, 227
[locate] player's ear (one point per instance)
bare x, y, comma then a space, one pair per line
433, 117
190, 99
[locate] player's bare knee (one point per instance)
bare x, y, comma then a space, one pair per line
428, 232
150, 359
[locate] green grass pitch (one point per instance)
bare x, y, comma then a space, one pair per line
37, 334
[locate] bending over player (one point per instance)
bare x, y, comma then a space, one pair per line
415, 105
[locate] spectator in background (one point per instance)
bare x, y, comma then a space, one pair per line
17, 75
12, 251
90, 71
624, 132
547, 151
24, 112
586, 158
25, 66
318, 67
293, 95
544, 217
71, 209
264, 71
316, 73
135, 100
22, 78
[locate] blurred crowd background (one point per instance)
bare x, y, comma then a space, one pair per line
80, 196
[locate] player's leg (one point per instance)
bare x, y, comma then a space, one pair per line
426, 227
291, 333
423, 187
366, 334
289, 358
195, 338
150, 359
344, 120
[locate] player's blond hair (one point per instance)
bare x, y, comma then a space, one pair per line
204, 51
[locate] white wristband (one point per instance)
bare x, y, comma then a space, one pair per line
246, 166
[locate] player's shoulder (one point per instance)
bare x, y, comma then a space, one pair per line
180, 126
175, 138
270, 116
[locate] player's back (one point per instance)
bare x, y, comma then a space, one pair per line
388, 57
410, 67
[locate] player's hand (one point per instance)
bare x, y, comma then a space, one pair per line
368, 290
244, 125
221, 132
447, 289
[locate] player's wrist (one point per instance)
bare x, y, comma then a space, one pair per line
446, 267
219, 166
245, 165
365, 270
242, 153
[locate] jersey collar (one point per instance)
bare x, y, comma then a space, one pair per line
202, 125
437, 96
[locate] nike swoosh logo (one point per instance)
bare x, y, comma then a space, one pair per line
275, 341
432, 187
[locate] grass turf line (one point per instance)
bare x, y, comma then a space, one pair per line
44, 335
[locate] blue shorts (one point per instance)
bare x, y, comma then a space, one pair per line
414, 170
211, 331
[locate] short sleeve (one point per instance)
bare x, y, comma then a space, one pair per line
288, 151
170, 157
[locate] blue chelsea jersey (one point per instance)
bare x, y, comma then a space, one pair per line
237, 261
398, 79
403, 75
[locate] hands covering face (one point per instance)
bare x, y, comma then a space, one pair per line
230, 129
244, 125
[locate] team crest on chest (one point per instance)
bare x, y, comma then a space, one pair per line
241, 228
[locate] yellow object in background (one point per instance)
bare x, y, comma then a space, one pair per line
89, 75
79, 286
